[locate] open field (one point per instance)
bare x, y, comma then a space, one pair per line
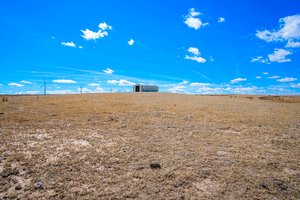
100, 146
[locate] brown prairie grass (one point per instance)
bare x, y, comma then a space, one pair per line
102, 146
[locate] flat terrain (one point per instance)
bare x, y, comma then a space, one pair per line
101, 146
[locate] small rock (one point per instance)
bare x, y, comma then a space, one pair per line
38, 185
18, 187
5, 173
155, 166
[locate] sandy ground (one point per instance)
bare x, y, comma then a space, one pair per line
149, 146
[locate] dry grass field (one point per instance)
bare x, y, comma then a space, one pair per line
149, 146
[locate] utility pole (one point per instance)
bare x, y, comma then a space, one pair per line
45, 90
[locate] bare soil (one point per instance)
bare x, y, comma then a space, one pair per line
149, 146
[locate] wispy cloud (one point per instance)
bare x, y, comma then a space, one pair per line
286, 79
16, 84
121, 82
258, 77
195, 55
65, 81
197, 84
273, 77
68, 44
237, 80
108, 71
192, 20
177, 89
130, 42
94, 84
26, 82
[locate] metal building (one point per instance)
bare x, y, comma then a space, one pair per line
145, 88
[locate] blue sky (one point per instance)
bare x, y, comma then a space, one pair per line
183, 46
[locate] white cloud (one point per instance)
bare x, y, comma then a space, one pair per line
221, 19
80, 47
184, 82
237, 80
192, 21
259, 59
195, 55
177, 89
32, 92
25, 82
60, 92
1, 85
289, 31
15, 84
292, 44
108, 71
296, 85
68, 44
121, 82
91, 35
279, 56
64, 81
99, 89
114, 82
258, 77
103, 26
265, 73
131, 42
274, 77
94, 84
286, 79
197, 84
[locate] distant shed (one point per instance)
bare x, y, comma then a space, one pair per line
145, 88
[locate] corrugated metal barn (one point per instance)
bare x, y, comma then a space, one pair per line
145, 88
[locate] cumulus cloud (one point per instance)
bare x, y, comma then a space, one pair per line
289, 31
286, 79
91, 35
16, 85
68, 44
221, 19
192, 20
108, 71
265, 73
279, 56
64, 81
131, 42
195, 55
25, 82
121, 82
104, 26
94, 84
258, 77
237, 80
